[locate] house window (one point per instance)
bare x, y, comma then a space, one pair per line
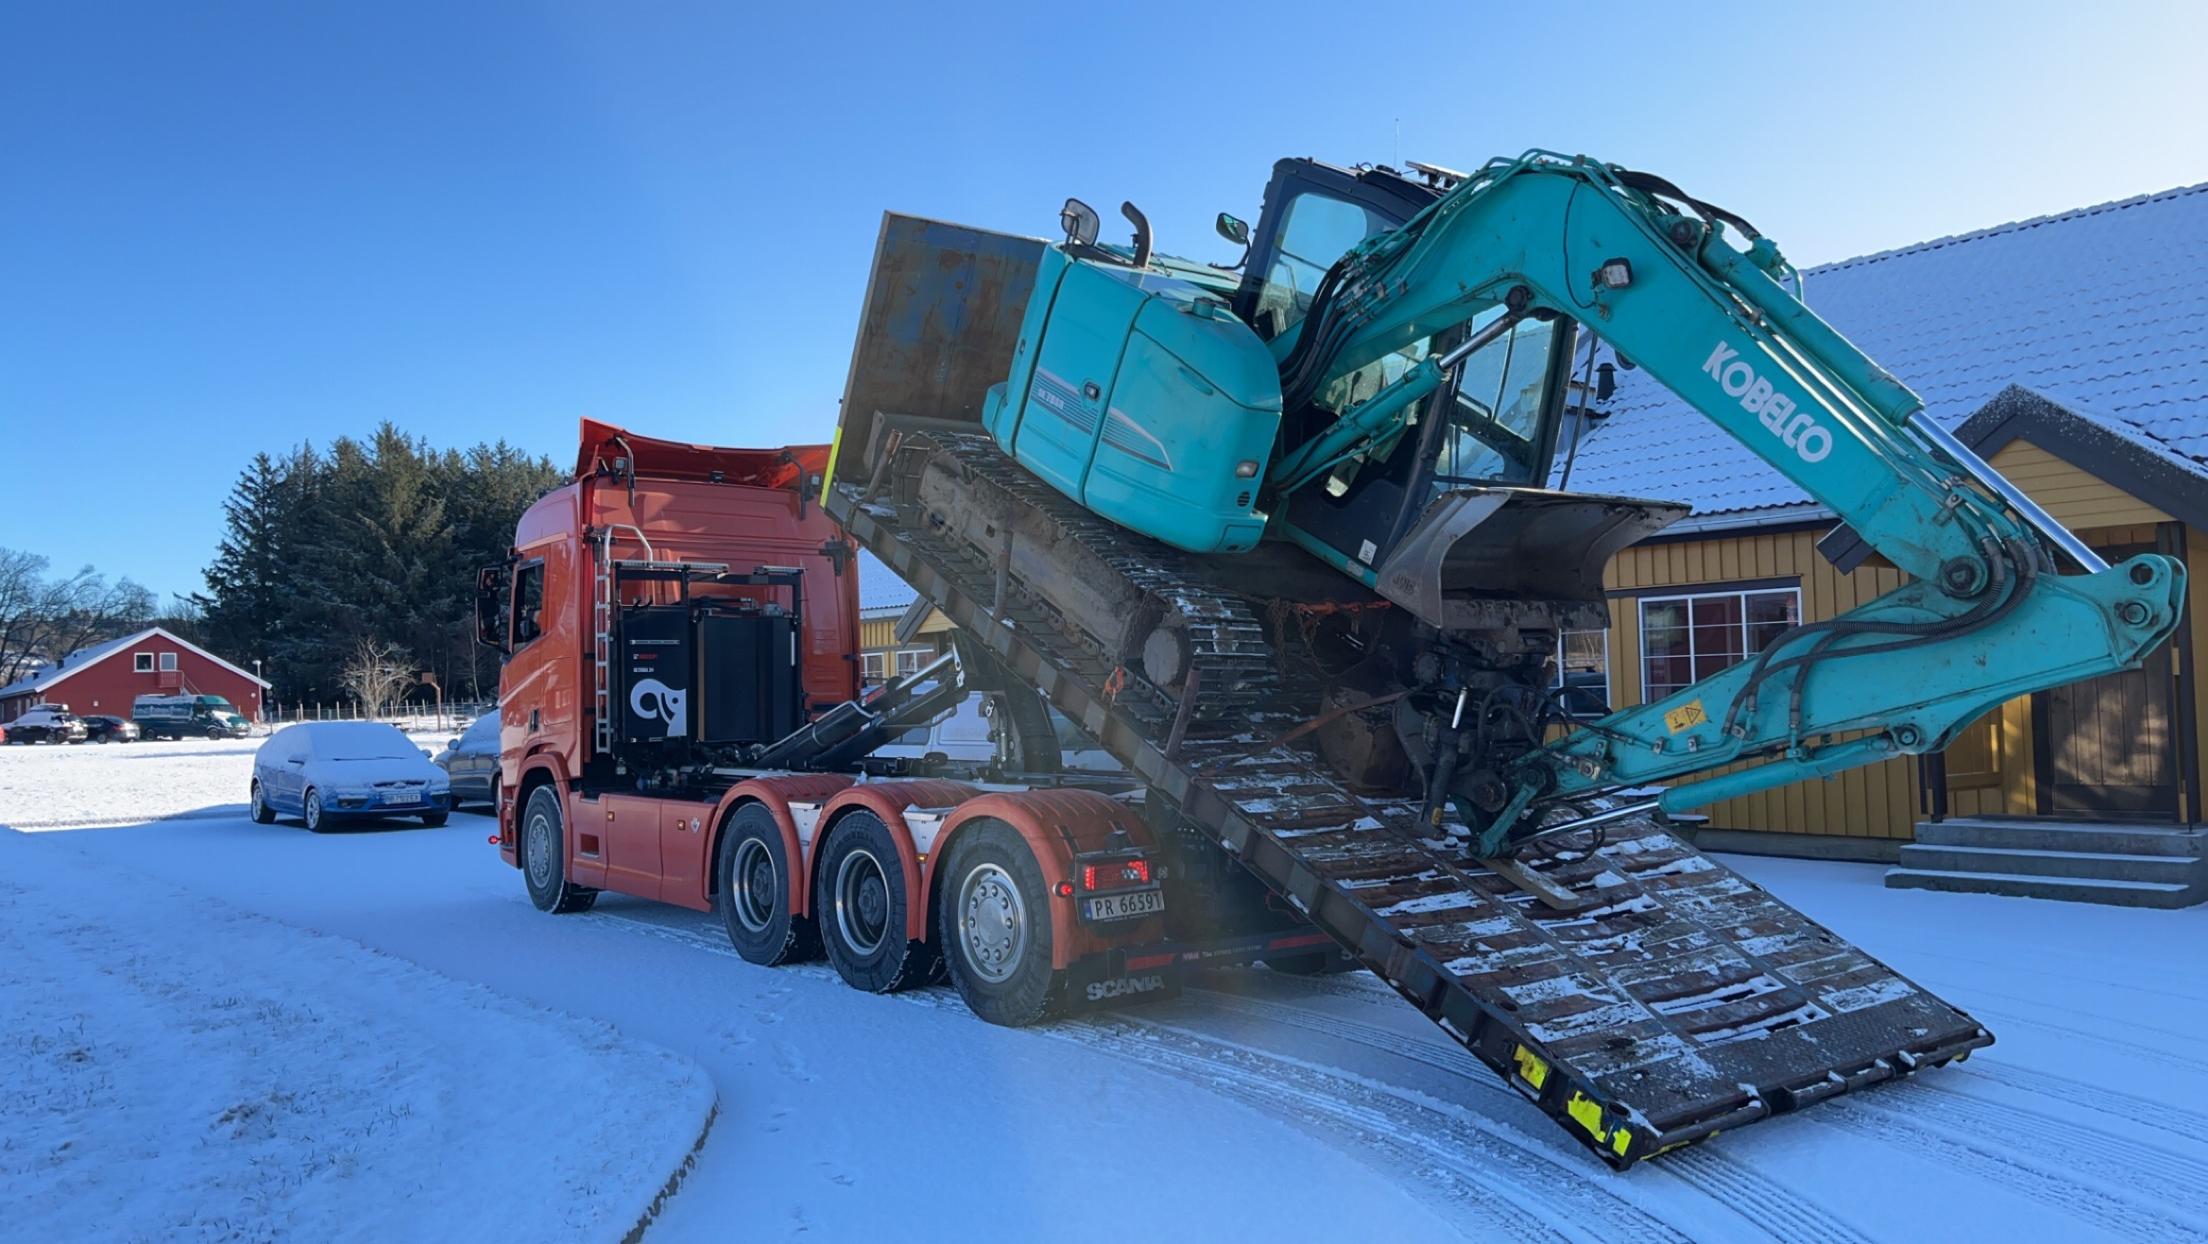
168, 662
1685, 639
1583, 672
141, 663
874, 666
909, 660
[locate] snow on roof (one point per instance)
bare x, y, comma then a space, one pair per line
2104, 308
83, 658
879, 586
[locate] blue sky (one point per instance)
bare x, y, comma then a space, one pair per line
231, 227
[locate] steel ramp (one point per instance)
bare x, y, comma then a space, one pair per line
1678, 1001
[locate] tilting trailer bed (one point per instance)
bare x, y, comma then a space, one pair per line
1638, 992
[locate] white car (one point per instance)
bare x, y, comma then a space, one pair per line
327, 771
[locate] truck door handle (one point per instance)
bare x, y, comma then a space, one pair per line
533, 720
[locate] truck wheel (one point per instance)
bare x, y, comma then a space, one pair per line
860, 902
262, 813
544, 856
993, 924
754, 893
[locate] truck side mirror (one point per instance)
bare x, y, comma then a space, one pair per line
1232, 229
1079, 220
491, 584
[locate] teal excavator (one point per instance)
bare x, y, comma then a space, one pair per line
1383, 384
1290, 537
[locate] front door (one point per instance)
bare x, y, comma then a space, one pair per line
2107, 746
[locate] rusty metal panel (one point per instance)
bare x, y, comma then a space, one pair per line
938, 327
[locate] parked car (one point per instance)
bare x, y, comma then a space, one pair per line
189, 716
102, 728
966, 732
328, 771
46, 723
471, 761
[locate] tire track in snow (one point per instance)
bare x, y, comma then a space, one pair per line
1526, 1193
2100, 1038
2114, 1103
2112, 1159
1770, 1206
2044, 1183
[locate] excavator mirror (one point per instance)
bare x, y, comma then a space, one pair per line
1079, 220
1232, 229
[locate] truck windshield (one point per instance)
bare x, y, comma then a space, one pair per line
1495, 431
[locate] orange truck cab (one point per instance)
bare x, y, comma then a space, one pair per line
681, 720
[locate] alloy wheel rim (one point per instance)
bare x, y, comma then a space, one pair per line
862, 902
540, 851
753, 885
992, 923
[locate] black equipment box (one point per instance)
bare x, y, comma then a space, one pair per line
656, 665
749, 688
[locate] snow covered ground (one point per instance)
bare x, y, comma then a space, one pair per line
1263, 1105
179, 1069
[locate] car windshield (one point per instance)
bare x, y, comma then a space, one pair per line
361, 741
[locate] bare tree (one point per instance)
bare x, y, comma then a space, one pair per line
43, 618
377, 674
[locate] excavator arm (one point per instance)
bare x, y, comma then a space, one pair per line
1985, 617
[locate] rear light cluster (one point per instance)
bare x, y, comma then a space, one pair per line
1115, 875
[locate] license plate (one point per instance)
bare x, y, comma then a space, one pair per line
1124, 906
400, 796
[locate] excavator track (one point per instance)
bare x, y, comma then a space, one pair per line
1673, 999
1230, 661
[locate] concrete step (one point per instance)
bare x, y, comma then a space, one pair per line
2062, 889
2024, 835
2082, 865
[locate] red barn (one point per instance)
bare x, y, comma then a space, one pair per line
107, 677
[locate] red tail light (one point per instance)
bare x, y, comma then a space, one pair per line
1115, 874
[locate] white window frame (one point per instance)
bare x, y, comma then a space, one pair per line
874, 666
168, 663
909, 660
1557, 683
141, 663
1648, 693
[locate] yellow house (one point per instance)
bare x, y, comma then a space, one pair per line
884, 603
2070, 351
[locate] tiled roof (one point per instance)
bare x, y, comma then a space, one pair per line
2104, 308
879, 586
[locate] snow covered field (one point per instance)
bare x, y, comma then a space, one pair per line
1263, 1105
179, 1069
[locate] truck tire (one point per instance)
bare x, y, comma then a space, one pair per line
993, 925
544, 856
860, 903
754, 892
310, 810
217, 733
262, 813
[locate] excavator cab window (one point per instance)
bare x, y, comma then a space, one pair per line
1497, 431
1313, 212
1316, 231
